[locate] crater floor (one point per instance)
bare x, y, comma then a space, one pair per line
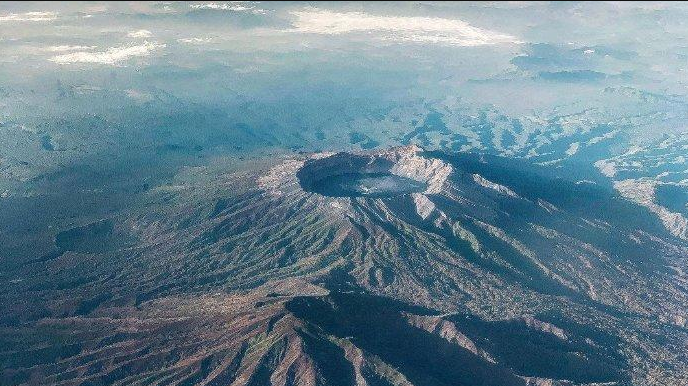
366, 184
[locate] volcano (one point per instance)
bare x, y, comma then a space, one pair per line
387, 267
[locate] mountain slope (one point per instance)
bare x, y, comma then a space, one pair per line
395, 267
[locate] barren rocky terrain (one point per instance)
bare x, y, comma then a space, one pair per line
491, 275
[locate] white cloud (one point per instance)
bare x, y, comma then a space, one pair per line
98, 8
112, 55
195, 40
236, 6
65, 48
142, 33
397, 28
29, 16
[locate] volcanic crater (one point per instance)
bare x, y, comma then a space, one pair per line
385, 173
